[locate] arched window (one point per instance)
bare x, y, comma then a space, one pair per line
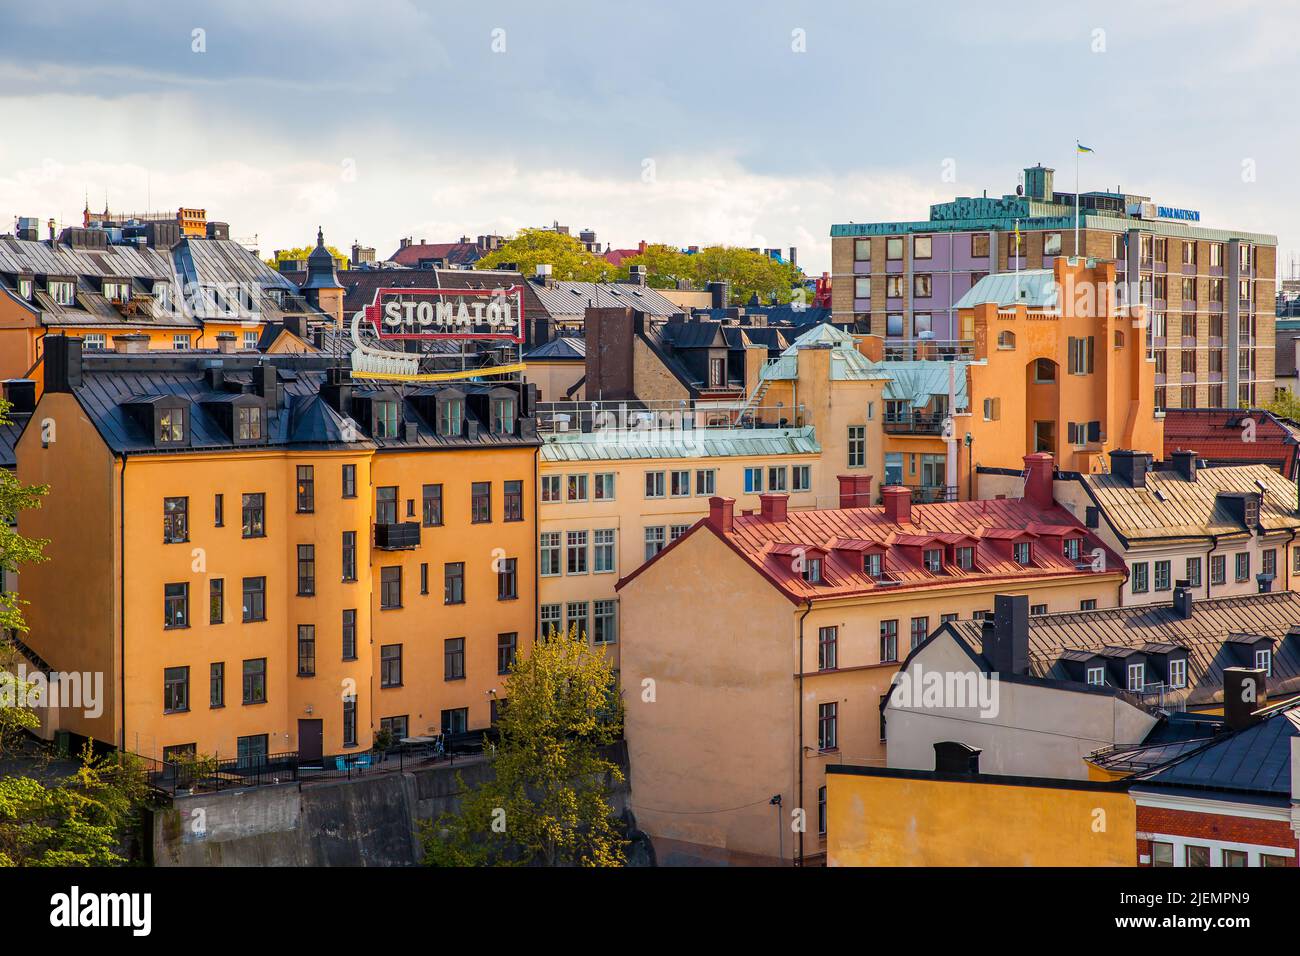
1119, 339
1006, 340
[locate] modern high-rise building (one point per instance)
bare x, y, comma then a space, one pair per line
1209, 291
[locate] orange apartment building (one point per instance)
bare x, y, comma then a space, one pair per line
264, 556
757, 648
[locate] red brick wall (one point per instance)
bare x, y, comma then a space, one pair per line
1213, 826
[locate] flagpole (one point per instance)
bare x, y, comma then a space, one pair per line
1076, 199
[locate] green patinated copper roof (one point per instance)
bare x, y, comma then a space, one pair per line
1032, 288
625, 444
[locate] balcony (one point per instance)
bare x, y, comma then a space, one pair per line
914, 423
397, 536
928, 494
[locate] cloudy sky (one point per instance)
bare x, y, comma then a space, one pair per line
752, 123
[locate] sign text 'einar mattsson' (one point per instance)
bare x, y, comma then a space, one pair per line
448, 313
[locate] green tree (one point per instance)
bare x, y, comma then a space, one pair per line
1285, 405
566, 256
664, 266
548, 802
302, 252
747, 272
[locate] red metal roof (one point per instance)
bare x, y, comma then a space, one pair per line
1216, 434
460, 253
841, 535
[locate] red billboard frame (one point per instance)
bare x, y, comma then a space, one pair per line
374, 313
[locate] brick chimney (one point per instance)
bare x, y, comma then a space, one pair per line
226, 342
773, 507
855, 491
722, 513
898, 503
1038, 479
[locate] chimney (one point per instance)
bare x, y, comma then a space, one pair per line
226, 342
62, 360
215, 378
950, 756
542, 274
1005, 637
898, 503
1244, 692
855, 491
133, 343
1038, 479
266, 385
52, 237
1185, 464
773, 507
337, 391
1130, 466
637, 275
1182, 600
20, 393
717, 295
722, 514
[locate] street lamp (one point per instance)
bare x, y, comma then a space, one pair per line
969, 442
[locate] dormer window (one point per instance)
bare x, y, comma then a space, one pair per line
1021, 553
1264, 662
249, 423
1070, 548
933, 559
25, 289
503, 416
1178, 672
451, 417
873, 565
966, 558
62, 291
1097, 676
171, 426
1137, 676
812, 570
1251, 511
116, 290
385, 423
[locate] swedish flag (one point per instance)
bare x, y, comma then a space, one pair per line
1081, 148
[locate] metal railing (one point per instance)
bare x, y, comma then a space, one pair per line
915, 423
928, 494
939, 350
560, 418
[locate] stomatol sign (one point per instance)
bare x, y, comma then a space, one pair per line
448, 313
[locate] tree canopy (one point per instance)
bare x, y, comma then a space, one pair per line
566, 256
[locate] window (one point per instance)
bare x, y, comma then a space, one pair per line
753, 481
888, 641
254, 603
1139, 581
812, 570
385, 419
857, 446
1035, 610
453, 658
1218, 569
1080, 355
1070, 548
217, 685
550, 488
349, 721
576, 552
254, 516
176, 689
513, 501
431, 500
216, 601
451, 416
349, 481
920, 631
862, 250
349, 634
306, 650
503, 416
176, 605
390, 587
604, 622
25, 289
992, 409
390, 665
575, 618
945, 618
921, 246
249, 423
549, 553
549, 619
603, 550
680, 484
1235, 858
306, 570
827, 648
894, 248
654, 541
1088, 604
1241, 565
922, 286
386, 504
306, 489
1264, 662
424, 578
1197, 855
219, 511
1162, 854
507, 644
1020, 553
1268, 562
349, 556
1136, 676
453, 583
1272, 859
481, 502
932, 558
1051, 243
893, 324
1193, 572
801, 478
979, 245
508, 579
1096, 676
717, 372
862, 287
603, 486
872, 565
654, 484
1178, 672
821, 811
64, 293
576, 488
827, 716
966, 558
255, 681
1163, 575
176, 520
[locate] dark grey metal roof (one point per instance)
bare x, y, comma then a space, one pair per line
1254, 760
561, 347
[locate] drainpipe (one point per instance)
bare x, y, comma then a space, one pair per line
121, 584
799, 716
1208, 575
1286, 560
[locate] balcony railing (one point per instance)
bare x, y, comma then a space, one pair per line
558, 418
397, 536
914, 423
928, 494
938, 350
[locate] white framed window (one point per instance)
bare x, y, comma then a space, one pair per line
577, 552
801, 478
25, 289
857, 446
1096, 676
680, 484
654, 484
812, 570
94, 341
753, 481
776, 479
250, 341
602, 541
933, 560
604, 622
550, 619
550, 553
550, 488
1178, 672
62, 291
1264, 661
871, 565
603, 486
181, 342
654, 541
576, 488
706, 480
676, 531
1137, 676
1021, 552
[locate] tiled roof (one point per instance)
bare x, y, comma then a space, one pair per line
759, 541
1215, 434
697, 443
1206, 635
1169, 506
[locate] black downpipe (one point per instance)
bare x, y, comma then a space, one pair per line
799, 716
1208, 575
121, 587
